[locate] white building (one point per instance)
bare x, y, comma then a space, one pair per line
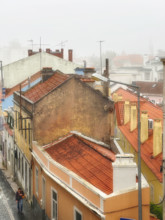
16, 72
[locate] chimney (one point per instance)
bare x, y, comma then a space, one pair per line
126, 112
115, 97
70, 55
48, 50
124, 172
144, 126
46, 72
106, 74
157, 137
133, 123
30, 52
62, 53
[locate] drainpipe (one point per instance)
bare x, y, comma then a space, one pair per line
163, 61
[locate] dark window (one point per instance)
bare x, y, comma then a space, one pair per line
29, 132
78, 216
25, 130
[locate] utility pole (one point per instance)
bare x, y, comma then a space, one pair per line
163, 61
101, 41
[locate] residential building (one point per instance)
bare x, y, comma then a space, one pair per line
8, 153
151, 90
52, 108
151, 136
77, 177
16, 72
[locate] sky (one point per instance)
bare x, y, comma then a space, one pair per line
131, 26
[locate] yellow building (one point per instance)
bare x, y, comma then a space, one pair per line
151, 137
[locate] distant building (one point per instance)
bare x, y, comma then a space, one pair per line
151, 90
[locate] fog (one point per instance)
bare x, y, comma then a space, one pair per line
132, 26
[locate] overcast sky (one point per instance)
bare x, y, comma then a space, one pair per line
133, 26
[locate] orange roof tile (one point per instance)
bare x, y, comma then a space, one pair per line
41, 89
154, 112
87, 159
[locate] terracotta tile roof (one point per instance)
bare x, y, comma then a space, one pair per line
150, 87
87, 159
41, 89
23, 84
154, 112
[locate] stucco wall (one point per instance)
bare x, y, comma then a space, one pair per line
18, 71
66, 202
73, 106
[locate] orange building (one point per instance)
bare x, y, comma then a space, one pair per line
76, 177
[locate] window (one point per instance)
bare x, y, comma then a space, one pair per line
37, 181
54, 204
22, 168
16, 119
29, 132
25, 129
9, 147
77, 214
19, 163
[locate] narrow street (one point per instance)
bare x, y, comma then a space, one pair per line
8, 209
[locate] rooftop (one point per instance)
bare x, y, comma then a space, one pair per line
154, 112
86, 158
150, 87
42, 88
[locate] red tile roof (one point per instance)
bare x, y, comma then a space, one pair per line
41, 89
87, 159
154, 112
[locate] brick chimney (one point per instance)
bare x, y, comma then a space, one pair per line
70, 55
144, 127
30, 52
126, 112
157, 137
48, 50
133, 123
124, 172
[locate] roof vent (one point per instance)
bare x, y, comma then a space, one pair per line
150, 123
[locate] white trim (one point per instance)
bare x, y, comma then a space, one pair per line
77, 210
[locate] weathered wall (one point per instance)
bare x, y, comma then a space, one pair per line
73, 106
18, 71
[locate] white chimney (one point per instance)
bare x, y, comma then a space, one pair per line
124, 172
